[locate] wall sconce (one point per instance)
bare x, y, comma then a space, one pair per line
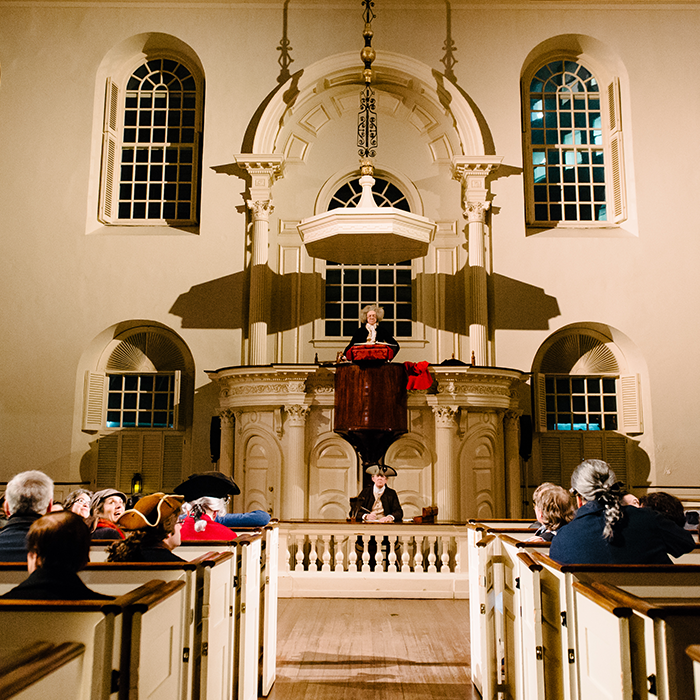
136, 484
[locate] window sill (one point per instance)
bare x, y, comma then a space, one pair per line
578, 230
145, 230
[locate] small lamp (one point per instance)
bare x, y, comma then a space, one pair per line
136, 484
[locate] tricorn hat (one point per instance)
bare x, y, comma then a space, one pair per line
383, 469
213, 484
150, 511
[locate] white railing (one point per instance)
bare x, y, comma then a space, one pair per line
339, 559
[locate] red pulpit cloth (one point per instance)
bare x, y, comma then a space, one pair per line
374, 351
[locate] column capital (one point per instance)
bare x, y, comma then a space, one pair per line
445, 416
264, 170
228, 416
261, 209
297, 414
471, 167
475, 211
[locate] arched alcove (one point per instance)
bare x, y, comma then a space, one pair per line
332, 478
259, 473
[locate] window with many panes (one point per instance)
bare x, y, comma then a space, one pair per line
573, 144
581, 403
151, 146
350, 287
141, 400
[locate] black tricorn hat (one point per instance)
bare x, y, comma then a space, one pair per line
213, 484
383, 469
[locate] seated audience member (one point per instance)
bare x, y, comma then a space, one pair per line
28, 496
152, 530
58, 546
605, 531
629, 499
78, 501
666, 504
692, 518
106, 507
554, 507
218, 485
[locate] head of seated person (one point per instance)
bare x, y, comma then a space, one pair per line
666, 504
58, 541
594, 480
554, 506
152, 530
27, 493
108, 504
78, 501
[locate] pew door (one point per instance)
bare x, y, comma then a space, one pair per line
268, 634
477, 603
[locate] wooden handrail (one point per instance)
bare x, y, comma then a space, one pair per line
693, 651
605, 601
485, 540
529, 562
144, 597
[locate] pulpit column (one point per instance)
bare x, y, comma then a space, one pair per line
447, 493
294, 477
263, 171
228, 420
511, 426
472, 173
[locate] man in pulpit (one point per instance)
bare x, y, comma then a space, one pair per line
370, 333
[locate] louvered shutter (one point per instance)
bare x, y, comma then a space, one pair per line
94, 396
110, 136
540, 403
630, 405
176, 399
617, 162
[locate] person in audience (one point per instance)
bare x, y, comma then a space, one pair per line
554, 507
28, 496
58, 546
78, 501
106, 507
629, 499
371, 332
604, 531
666, 504
217, 485
152, 530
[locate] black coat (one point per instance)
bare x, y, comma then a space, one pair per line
53, 584
643, 536
390, 501
383, 336
13, 537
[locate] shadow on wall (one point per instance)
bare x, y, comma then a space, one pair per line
223, 302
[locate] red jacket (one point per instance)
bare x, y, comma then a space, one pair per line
213, 530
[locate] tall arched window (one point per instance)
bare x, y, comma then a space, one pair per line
150, 155
350, 287
573, 147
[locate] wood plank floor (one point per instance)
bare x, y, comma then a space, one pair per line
344, 649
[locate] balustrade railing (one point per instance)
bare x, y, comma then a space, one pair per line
340, 559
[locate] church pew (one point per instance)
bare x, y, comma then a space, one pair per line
113, 634
43, 670
666, 608
247, 549
693, 652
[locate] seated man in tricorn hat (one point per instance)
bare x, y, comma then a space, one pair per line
206, 495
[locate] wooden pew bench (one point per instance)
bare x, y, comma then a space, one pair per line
118, 637
43, 670
693, 652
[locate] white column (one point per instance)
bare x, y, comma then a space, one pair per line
263, 171
294, 477
447, 493
472, 173
511, 428
227, 416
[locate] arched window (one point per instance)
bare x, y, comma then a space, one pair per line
585, 402
350, 287
133, 401
151, 142
573, 143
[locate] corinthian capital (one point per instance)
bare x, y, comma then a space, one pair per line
296, 415
475, 211
261, 209
445, 416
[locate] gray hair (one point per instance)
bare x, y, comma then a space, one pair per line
594, 480
29, 491
371, 307
198, 508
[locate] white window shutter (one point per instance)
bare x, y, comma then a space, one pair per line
94, 398
176, 399
617, 162
630, 404
540, 402
110, 135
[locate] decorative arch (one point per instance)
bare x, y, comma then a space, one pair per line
311, 99
413, 462
332, 478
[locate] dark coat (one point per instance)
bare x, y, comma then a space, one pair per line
53, 584
642, 536
390, 501
383, 336
13, 537
156, 555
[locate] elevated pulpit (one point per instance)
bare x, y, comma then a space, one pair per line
370, 406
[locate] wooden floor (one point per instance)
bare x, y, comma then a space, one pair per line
343, 649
